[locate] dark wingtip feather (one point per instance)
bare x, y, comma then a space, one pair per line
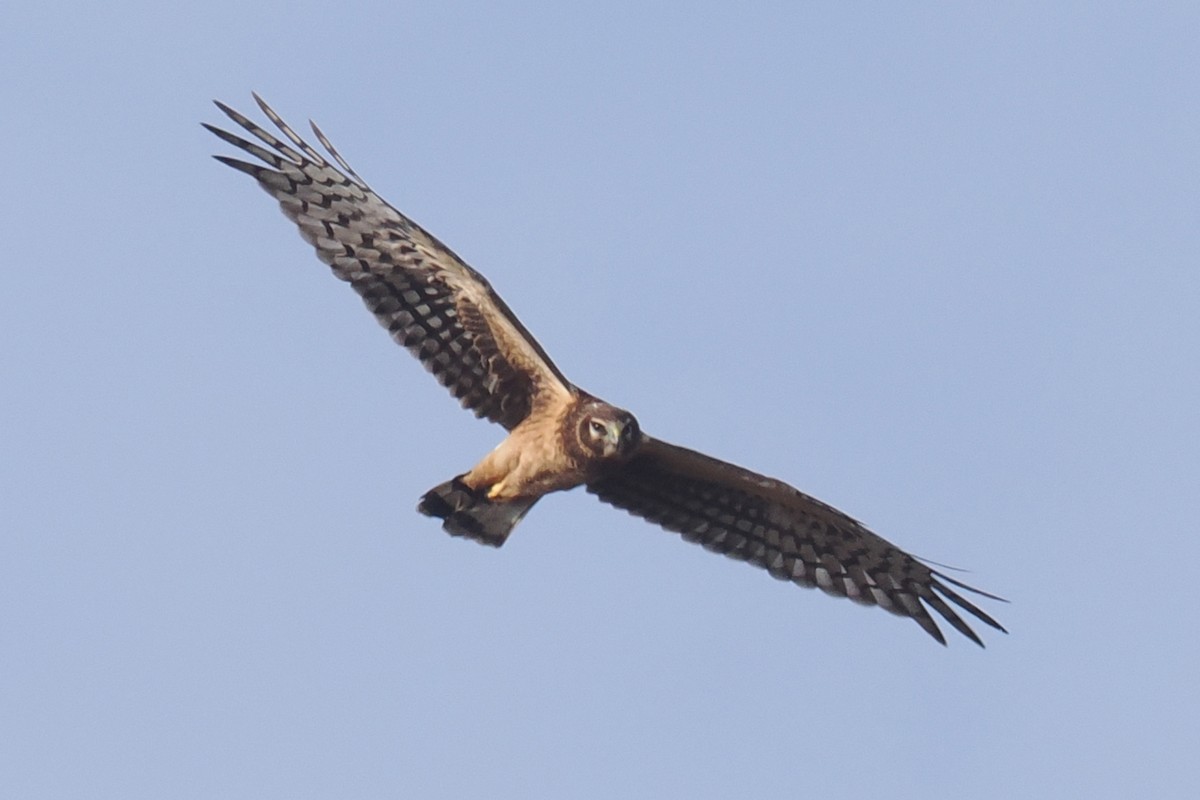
929, 626
324, 140
948, 613
231, 113
970, 588
225, 135
252, 170
966, 604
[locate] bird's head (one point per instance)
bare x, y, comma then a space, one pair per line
608, 432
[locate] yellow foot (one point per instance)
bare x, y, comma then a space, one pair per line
496, 490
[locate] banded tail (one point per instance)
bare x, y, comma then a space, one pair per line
469, 513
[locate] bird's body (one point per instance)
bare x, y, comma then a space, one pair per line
559, 436
547, 453
528, 462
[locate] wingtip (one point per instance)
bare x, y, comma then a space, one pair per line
968, 587
266, 109
253, 170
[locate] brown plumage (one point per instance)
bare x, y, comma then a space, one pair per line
560, 437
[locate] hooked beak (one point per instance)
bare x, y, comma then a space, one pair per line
621, 437
613, 432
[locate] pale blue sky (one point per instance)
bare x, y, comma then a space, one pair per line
938, 265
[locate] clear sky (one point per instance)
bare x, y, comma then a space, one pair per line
938, 265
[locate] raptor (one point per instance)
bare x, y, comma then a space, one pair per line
559, 436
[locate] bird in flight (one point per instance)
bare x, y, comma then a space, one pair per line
559, 436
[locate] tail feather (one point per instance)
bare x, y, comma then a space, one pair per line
467, 512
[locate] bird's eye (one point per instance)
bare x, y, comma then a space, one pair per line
598, 427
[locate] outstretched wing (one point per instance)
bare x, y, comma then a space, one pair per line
444, 312
795, 537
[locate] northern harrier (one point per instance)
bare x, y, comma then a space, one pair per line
560, 437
